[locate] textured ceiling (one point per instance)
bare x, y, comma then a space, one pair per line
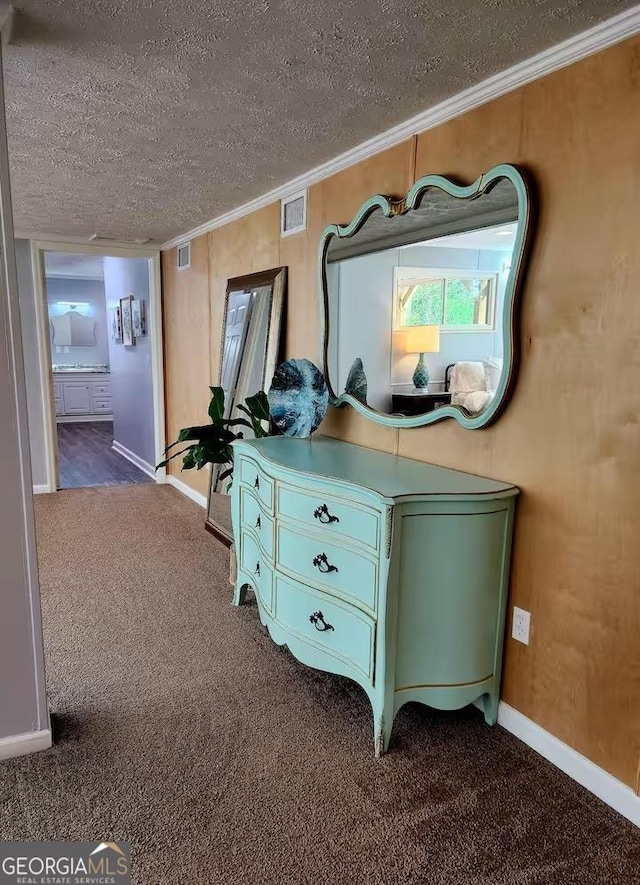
146, 118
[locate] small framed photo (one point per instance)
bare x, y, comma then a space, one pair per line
126, 316
116, 325
139, 318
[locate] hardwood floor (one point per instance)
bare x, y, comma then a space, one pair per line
87, 459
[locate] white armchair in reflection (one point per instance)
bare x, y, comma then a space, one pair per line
473, 383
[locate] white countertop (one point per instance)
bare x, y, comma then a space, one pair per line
80, 370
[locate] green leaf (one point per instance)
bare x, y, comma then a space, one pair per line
189, 461
236, 422
216, 406
258, 406
175, 455
194, 432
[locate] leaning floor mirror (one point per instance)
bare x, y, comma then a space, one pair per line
250, 350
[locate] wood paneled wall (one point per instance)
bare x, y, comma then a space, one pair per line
187, 334
570, 436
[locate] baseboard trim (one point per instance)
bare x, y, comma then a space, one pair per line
81, 419
22, 744
42, 490
599, 782
135, 459
199, 499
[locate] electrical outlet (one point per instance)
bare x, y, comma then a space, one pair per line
521, 625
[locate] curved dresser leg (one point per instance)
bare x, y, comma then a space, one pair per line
490, 703
240, 594
381, 733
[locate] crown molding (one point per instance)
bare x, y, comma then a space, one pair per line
600, 37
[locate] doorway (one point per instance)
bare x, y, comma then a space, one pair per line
100, 359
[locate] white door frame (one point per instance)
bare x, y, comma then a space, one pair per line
38, 248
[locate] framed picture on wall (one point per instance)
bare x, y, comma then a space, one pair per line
116, 325
139, 318
126, 316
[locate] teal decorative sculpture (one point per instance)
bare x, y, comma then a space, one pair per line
356, 383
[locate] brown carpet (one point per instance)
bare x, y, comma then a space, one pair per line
185, 730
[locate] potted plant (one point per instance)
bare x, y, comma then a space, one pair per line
211, 443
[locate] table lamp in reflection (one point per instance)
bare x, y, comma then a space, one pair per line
421, 340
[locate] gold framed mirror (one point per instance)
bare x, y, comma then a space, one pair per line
250, 352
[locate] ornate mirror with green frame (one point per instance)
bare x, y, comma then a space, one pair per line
419, 300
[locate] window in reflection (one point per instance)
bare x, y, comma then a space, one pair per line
448, 298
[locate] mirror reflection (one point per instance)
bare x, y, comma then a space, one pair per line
73, 329
415, 303
249, 355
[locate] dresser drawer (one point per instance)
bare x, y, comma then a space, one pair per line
101, 404
257, 480
254, 563
253, 516
101, 388
337, 517
329, 566
341, 632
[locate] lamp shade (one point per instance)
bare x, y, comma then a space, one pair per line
422, 339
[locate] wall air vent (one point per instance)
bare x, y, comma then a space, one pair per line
293, 214
184, 256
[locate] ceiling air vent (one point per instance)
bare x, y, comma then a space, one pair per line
184, 256
293, 214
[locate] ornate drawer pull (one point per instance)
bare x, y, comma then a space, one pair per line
256, 484
257, 571
322, 513
258, 523
323, 565
318, 617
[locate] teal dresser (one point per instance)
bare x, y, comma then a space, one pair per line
389, 571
